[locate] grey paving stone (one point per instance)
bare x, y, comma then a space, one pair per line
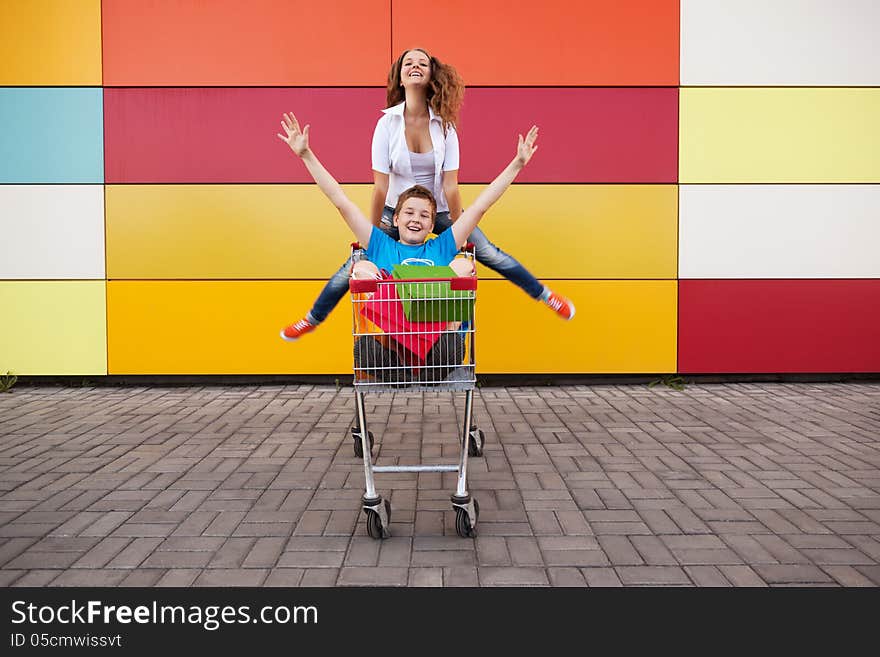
791, 574
494, 576
143, 577
492, 551
13, 547
652, 575
311, 560
36, 577
373, 576
231, 577
43, 560
134, 553
460, 576
566, 577
620, 551
426, 577
284, 577
601, 577
575, 558
848, 576
719, 484
742, 576
95, 577
706, 576
323, 577
7, 577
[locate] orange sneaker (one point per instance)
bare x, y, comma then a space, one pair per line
297, 330
563, 307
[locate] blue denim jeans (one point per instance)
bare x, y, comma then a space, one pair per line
487, 254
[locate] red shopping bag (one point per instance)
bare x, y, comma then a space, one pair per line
386, 311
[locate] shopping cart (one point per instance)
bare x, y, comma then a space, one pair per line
415, 334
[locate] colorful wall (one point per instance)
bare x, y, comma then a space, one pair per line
706, 188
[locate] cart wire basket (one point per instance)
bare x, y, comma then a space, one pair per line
415, 334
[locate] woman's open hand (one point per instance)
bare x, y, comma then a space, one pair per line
297, 139
526, 147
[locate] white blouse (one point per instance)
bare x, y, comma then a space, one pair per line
391, 155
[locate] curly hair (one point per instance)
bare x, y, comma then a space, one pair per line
445, 90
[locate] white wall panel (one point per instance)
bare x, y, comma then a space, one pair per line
779, 231
52, 231
780, 42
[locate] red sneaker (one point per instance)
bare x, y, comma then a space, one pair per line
563, 307
297, 330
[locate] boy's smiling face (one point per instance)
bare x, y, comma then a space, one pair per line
415, 221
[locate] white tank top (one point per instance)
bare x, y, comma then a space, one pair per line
423, 168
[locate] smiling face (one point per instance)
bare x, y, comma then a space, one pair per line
415, 69
414, 220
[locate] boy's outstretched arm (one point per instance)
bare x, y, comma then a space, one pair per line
469, 219
298, 140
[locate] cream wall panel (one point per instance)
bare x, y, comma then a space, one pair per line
779, 231
52, 231
779, 135
780, 42
53, 327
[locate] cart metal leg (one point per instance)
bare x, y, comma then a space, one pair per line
466, 508
461, 486
365, 446
378, 510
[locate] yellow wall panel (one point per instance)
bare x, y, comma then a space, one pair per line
231, 327
53, 327
292, 231
221, 327
779, 135
619, 327
585, 231
226, 231
50, 42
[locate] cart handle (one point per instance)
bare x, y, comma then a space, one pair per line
459, 283
356, 246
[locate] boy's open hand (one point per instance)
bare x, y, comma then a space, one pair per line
297, 139
526, 147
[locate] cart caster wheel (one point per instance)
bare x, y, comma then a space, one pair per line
356, 439
464, 526
476, 442
374, 522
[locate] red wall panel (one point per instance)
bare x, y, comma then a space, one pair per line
553, 42
252, 43
779, 326
228, 135
586, 135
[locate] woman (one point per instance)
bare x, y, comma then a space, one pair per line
415, 142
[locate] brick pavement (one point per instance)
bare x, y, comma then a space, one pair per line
718, 485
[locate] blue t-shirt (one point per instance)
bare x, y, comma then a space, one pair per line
384, 252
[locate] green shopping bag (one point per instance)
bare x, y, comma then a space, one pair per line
432, 302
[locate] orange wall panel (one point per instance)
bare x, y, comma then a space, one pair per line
555, 42
254, 43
